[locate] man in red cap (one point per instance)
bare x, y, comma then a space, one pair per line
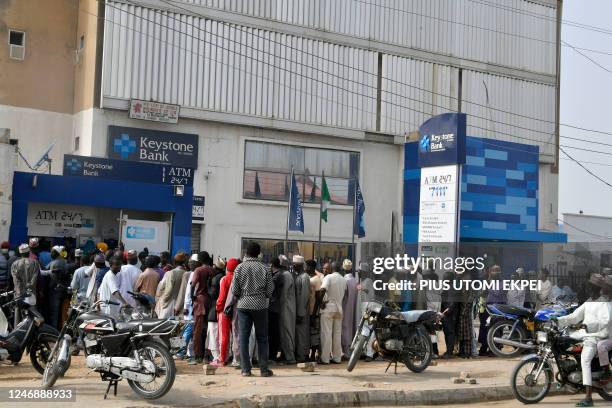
225, 321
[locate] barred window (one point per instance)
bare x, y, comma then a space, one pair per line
267, 169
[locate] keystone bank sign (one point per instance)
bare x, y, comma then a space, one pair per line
442, 140
153, 146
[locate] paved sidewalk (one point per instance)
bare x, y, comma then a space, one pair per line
368, 380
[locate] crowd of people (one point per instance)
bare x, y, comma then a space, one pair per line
238, 311
241, 312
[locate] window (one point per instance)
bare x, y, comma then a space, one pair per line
16, 40
267, 169
272, 248
77, 143
81, 42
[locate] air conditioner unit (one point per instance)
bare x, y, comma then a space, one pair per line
17, 52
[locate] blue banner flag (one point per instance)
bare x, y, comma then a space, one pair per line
359, 222
296, 214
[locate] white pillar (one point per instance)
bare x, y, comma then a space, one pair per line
7, 168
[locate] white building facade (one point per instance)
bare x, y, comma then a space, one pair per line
320, 86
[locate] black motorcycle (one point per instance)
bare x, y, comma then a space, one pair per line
533, 375
399, 336
136, 350
31, 335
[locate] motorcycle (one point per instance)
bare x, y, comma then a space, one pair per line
135, 350
518, 324
533, 375
31, 335
399, 336
145, 309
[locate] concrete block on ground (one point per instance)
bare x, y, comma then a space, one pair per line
465, 375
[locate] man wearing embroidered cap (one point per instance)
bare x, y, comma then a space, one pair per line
128, 276
302, 321
333, 290
33, 245
25, 273
287, 314
349, 307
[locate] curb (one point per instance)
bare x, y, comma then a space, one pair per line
372, 398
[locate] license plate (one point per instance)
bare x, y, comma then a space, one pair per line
177, 342
365, 330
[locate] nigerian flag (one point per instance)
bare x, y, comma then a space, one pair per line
325, 200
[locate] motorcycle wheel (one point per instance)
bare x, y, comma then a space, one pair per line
356, 354
524, 387
501, 329
165, 370
51, 373
420, 344
40, 351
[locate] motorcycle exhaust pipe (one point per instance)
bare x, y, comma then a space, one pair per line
512, 343
64, 354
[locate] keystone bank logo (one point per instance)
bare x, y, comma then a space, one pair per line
73, 165
124, 145
424, 143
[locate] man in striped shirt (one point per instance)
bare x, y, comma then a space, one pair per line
253, 288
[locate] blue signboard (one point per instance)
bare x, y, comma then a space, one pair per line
98, 167
153, 146
442, 140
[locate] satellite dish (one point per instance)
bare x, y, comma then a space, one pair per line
45, 157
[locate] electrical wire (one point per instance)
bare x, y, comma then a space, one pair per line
608, 70
544, 17
271, 80
581, 230
394, 119
172, 3
374, 98
561, 147
585, 168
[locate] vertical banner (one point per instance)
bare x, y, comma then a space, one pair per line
296, 215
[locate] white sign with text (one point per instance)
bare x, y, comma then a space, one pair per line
154, 111
438, 204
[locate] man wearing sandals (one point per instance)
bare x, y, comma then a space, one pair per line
596, 316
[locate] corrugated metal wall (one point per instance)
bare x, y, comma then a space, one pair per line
413, 91
205, 64
514, 33
523, 109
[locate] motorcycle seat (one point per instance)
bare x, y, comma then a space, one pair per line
414, 316
515, 310
143, 325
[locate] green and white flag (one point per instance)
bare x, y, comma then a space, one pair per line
325, 200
